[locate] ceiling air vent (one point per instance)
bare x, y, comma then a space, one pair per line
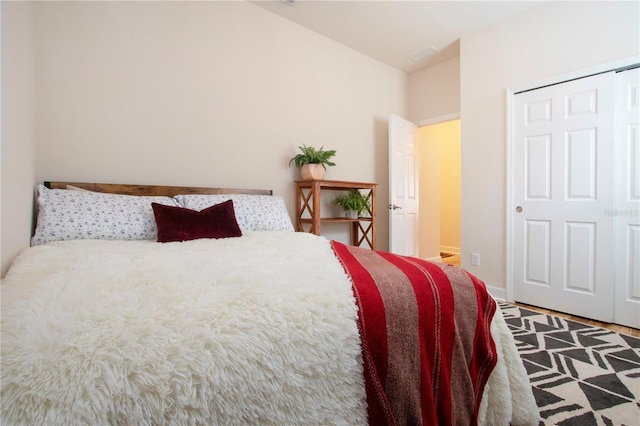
423, 54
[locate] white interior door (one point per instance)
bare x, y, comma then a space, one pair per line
403, 187
626, 211
562, 161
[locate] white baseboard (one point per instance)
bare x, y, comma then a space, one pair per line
497, 293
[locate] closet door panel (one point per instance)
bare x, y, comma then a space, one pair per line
626, 211
562, 161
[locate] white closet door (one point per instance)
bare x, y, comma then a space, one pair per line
562, 185
626, 211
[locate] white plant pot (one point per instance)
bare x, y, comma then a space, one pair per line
351, 214
312, 172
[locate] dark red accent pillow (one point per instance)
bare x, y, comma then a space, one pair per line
180, 224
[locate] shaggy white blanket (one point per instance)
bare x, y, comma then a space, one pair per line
260, 329
250, 330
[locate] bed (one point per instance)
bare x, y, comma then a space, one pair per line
176, 305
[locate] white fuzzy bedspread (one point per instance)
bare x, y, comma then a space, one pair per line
260, 329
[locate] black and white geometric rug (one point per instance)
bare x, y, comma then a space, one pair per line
580, 374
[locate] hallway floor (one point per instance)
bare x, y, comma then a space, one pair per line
452, 260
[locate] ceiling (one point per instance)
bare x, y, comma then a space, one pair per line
392, 30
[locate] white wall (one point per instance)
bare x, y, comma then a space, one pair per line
18, 136
204, 94
548, 40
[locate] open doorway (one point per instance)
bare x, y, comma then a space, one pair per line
440, 182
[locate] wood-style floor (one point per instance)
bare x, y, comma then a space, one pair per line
614, 327
455, 260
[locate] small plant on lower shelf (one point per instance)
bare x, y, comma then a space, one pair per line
353, 201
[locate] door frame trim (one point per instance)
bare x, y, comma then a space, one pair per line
439, 119
510, 93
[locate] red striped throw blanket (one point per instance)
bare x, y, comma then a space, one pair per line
425, 329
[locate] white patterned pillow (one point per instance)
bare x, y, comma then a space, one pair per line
74, 215
253, 212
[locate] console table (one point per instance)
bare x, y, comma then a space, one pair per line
308, 209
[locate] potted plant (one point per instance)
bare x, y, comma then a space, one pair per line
313, 162
353, 203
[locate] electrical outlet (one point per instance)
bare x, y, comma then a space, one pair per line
475, 259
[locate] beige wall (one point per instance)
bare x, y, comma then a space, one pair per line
428, 144
18, 133
434, 96
548, 40
450, 175
206, 93
439, 222
434, 92
195, 93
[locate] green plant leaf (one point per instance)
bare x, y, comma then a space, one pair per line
310, 155
353, 200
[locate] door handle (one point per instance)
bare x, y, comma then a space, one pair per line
394, 207
518, 209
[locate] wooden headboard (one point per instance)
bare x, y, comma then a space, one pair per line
170, 191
